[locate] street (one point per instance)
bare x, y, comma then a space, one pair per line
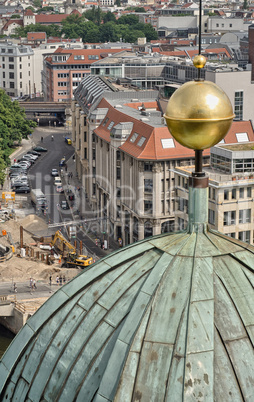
40, 177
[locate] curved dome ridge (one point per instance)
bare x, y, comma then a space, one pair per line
167, 317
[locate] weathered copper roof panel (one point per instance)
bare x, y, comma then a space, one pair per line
160, 320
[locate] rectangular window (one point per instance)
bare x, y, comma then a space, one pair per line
20, 75
11, 59
180, 224
20, 84
244, 215
11, 76
229, 218
248, 191
3, 74
12, 85
241, 192
11, 66
85, 153
148, 206
181, 204
94, 154
238, 105
244, 236
226, 194
211, 216
233, 194
118, 173
148, 185
148, 166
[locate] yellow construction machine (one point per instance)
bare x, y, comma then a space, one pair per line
69, 254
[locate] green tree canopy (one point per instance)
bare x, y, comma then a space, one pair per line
13, 127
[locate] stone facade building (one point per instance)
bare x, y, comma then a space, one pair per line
231, 187
126, 159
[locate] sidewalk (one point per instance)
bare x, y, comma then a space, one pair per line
92, 228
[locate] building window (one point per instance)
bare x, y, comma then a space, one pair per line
244, 215
181, 204
85, 153
118, 192
148, 185
180, 224
244, 236
118, 155
3, 74
229, 218
248, 191
231, 235
94, 154
4, 84
241, 192
148, 166
118, 173
20, 84
11, 59
148, 206
230, 25
10, 50
12, 85
11, 76
20, 75
11, 66
226, 195
211, 216
238, 105
233, 194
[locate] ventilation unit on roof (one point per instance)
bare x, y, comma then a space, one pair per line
134, 100
144, 119
118, 107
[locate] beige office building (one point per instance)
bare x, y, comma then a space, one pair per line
231, 190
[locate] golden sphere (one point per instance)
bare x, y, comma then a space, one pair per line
199, 61
199, 114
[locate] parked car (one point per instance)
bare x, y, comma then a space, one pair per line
15, 166
58, 181
64, 205
34, 153
31, 156
22, 189
24, 164
54, 172
19, 178
68, 140
19, 184
27, 158
17, 173
40, 149
59, 188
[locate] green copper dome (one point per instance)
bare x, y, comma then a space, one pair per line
170, 318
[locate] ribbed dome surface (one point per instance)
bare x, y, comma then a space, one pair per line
170, 318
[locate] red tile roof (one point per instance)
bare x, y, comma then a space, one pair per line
28, 12
50, 18
152, 148
101, 53
36, 36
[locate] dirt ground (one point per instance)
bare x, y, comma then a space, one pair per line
21, 269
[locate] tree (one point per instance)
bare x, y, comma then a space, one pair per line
245, 4
140, 10
13, 127
15, 16
108, 17
130, 19
108, 32
37, 3
118, 3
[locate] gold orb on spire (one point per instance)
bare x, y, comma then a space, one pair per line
199, 114
199, 61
